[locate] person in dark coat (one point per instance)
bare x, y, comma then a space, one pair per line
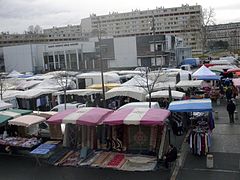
231, 107
170, 156
229, 93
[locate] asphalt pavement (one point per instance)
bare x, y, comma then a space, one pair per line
225, 150
22, 168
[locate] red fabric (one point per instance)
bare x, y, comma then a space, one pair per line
118, 159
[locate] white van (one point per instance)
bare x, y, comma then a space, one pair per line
61, 107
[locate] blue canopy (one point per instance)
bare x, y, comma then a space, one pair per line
208, 78
192, 105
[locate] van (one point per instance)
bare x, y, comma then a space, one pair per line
61, 107
194, 62
186, 67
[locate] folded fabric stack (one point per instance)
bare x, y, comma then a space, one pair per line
20, 142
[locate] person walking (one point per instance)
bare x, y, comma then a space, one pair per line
231, 107
229, 93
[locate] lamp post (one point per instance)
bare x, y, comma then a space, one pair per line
154, 39
101, 60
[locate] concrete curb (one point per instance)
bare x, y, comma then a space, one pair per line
180, 161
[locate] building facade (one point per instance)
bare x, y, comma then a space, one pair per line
116, 53
225, 32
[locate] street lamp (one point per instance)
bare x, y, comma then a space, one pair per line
101, 60
154, 39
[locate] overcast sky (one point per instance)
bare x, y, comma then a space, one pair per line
17, 15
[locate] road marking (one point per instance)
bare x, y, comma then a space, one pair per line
213, 170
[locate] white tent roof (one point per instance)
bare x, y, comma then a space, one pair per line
164, 85
33, 93
124, 72
141, 105
79, 92
14, 74
11, 114
138, 81
203, 71
4, 105
190, 83
10, 94
28, 84
54, 85
221, 67
133, 92
26, 120
165, 94
109, 77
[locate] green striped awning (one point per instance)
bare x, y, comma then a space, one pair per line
21, 111
4, 119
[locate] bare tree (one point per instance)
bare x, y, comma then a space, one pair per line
151, 79
30, 29
207, 20
198, 26
34, 29
99, 33
37, 29
63, 79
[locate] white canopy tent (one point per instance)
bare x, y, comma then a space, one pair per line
190, 83
14, 74
28, 84
4, 105
220, 68
79, 92
109, 77
129, 91
164, 85
138, 81
203, 72
55, 84
141, 105
34, 93
165, 94
26, 120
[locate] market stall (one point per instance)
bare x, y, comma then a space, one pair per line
201, 120
82, 133
82, 121
120, 96
134, 131
23, 136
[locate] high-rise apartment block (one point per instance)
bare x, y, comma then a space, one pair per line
184, 21
225, 32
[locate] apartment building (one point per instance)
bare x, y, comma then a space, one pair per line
225, 32
184, 22
65, 33
17, 39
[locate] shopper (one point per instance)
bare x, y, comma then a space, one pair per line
229, 93
170, 156
231, 107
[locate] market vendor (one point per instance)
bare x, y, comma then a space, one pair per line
170, 156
